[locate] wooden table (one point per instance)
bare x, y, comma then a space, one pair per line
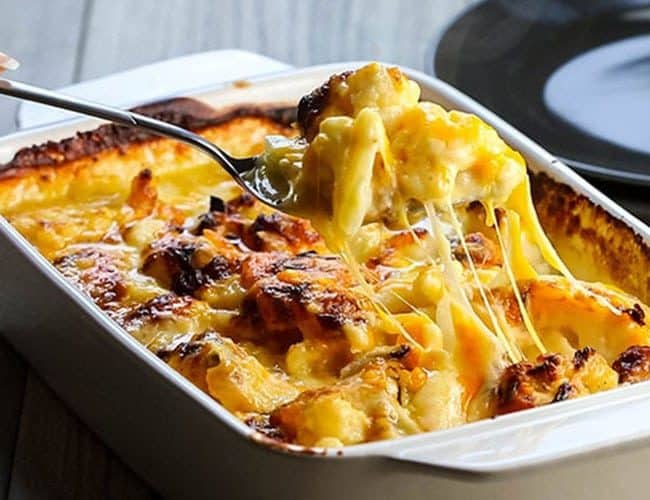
45, 451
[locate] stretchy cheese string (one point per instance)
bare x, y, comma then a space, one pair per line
515, 288
511, 348
454, 281
370, 151
415, 237
521, 201
449, 272
381, 309
414, 309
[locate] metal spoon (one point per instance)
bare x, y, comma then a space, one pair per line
240, 169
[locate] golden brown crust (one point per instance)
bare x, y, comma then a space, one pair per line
262, 265
303, 296
185, 112
76, 168
394, 246
97, 272
183, 263
554, 378
192, 358
312, 105
522, 383
593, 243
159, 308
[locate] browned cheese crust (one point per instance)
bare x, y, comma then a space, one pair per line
554, 378
595, 245
184, 112
633, 365
312, 105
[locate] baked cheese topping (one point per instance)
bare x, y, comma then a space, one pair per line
381, 155
417, 292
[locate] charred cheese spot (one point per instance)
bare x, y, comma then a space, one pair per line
184, 263
266, 264
98, 271
164, 319
633, 365
306, 297
229, 219
159, 308
221, 223
279, 232
312, 107
554, 378
636, 312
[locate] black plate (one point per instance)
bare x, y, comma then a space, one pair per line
590, 57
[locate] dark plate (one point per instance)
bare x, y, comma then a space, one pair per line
572, 74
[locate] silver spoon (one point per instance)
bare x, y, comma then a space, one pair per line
242, 170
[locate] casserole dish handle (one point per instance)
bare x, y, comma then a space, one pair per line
535, 437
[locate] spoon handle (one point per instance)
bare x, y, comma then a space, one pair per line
31, 93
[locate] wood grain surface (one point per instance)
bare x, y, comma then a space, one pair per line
45, 451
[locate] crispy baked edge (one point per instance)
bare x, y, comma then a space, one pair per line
185, 112
592, 235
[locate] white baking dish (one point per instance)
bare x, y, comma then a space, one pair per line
188, 446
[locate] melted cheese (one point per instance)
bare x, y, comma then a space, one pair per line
421, 329
380, 155
388, 150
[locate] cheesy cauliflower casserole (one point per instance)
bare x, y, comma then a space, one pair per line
413, 288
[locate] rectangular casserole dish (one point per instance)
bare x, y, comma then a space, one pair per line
188, 446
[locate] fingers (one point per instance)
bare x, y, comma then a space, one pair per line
7, 62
